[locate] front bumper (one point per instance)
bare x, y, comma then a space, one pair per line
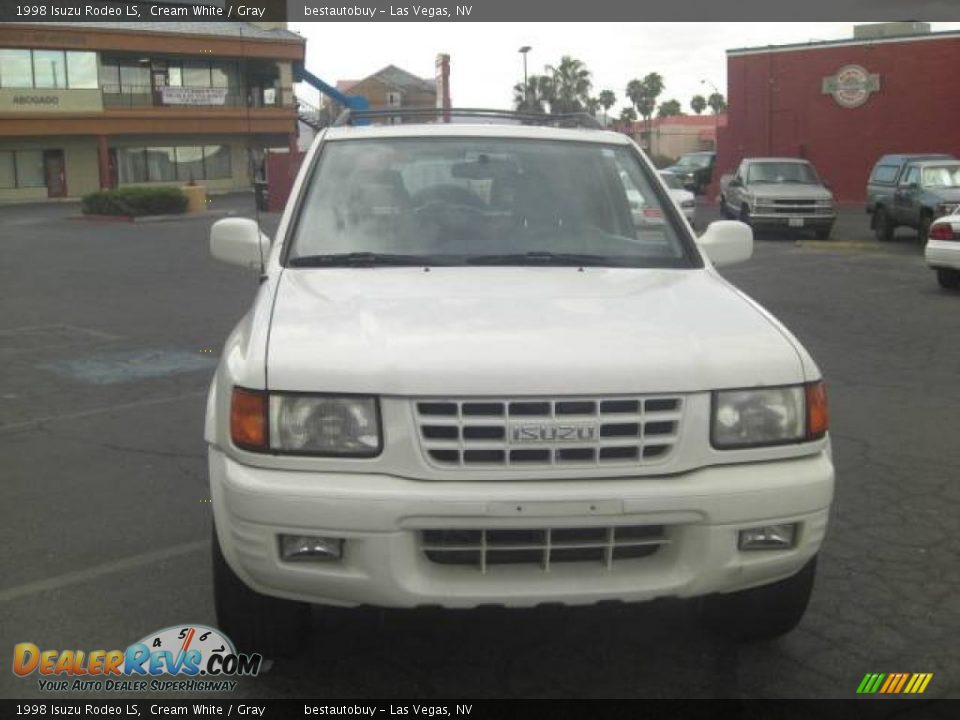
780, 220
380, 517
942, 254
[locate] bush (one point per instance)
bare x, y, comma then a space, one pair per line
136, 201
662, 161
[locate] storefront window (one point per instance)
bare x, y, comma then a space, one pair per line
224, 74
196, 74
110, 75
190, 163
131, 165
175, 75
49, 69
30, 168
82, 70
134, 78
216, 159
8, 177
161, 164
16, 70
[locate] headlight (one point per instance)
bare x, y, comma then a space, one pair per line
688, 203
337, 425
768, 416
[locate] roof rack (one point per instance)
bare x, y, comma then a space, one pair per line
427, 114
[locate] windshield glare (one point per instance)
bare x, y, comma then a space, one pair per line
459, 199
782, 172
942, 176
694, 161
671, 181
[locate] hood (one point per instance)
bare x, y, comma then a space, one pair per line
782, 191
681, 171
519, 331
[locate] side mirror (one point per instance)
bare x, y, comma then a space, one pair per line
736, 182
239, 241
727, 242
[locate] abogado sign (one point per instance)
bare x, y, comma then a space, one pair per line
193, 95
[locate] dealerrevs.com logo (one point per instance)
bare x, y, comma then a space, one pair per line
200, 657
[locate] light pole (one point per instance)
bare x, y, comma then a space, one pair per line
523, 51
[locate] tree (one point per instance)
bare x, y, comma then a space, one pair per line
571, 85
644, 93
628, 115
593, 105
717, 103
669, 108
538, 96
607, 100
698, 104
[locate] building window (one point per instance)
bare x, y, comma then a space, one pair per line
394, 99
82, 70
161, 164
49, 69
196, 73
16, 69
8, 171
216, 161
172, 164
134, 78
223, 74
132, 165
190, 163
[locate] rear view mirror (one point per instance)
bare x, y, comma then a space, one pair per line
727, 242
238, 241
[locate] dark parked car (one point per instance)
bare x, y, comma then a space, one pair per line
900, 191
695, 170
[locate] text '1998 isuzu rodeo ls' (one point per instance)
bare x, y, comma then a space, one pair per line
471, 375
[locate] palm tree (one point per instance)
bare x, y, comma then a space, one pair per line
538, 95
607, 100
698, 104
670, 108
628, 115
643, 94
571, 85
593, 105
717, 103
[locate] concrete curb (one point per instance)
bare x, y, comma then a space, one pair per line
152, 218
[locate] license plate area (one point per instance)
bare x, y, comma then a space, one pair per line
795, 222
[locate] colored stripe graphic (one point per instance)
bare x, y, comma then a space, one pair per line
894, 683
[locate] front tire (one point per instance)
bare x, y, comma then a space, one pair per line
823, 233
882, 227
948, 278
761, 613
923, 231
256, 623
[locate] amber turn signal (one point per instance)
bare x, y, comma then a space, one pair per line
818, 417
248, 419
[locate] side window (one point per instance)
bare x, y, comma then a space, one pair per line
884, 174
912, 176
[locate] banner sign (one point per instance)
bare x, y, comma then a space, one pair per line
193, 96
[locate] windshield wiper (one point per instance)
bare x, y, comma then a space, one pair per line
364, 259
545, 258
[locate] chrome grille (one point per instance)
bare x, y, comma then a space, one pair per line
541, 546
542, 432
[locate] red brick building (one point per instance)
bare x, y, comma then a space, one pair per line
842, 104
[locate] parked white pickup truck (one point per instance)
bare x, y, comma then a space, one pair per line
474, 375
772, 193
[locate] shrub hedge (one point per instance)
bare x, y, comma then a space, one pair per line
136, 201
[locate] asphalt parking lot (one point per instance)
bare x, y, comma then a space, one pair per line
105, 519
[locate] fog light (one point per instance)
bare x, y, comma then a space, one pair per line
769, 537
309, 548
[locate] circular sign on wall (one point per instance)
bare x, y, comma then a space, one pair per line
851, 86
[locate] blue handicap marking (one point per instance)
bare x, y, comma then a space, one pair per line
120, 367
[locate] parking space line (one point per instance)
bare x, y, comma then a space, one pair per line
97, 411
81, 576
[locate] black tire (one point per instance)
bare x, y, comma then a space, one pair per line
256, 623
823, 233
761, 613
948, 278
923, 231
725, 210
882, 227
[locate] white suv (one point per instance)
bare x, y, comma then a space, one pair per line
472, 376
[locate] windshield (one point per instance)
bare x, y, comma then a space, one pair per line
671, 181
942, 176
782, 172
694, 161
483, 200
